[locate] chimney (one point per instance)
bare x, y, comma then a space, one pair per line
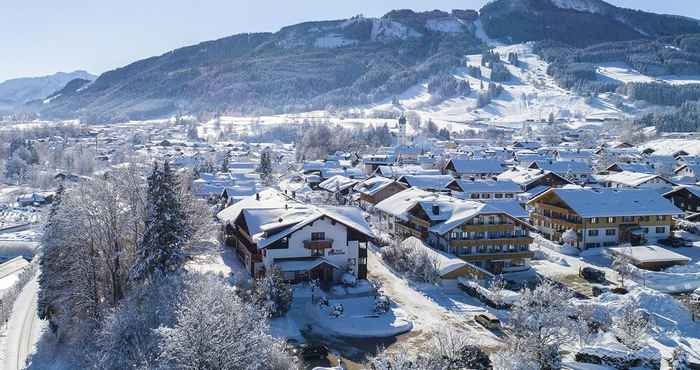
436, 209
257, 196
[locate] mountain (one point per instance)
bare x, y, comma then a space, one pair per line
577, 22
343, 63
21, 90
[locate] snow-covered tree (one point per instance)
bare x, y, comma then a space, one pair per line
497, 289
449, 350
631, 326
265, 166
273, 293
623, 266
540, 322
679, 359
167, 231
215, 329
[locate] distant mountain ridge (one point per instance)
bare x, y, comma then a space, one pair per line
341, 63
22, 90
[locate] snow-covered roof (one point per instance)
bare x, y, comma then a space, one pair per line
634, 167
631, 179
477, 166
445, 212
426, 181
522, 176
614, 202
486, 186
337, 183
509, 206
372, 185
447, 263
398, 171
649, 254
271, 215
297, 265
564, 167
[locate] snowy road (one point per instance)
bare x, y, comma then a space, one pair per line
432, 308
24, 328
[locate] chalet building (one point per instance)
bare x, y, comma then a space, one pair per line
686, 197
474, 168
304, 241
579, 155
370, 163
689, 170
483, 189
376, 189
603, 217
531, 179
481, 234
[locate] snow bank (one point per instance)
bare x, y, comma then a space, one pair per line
359, 319
668, 282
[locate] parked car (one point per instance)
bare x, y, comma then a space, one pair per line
593, 275
314, 352
674, 242
488, 321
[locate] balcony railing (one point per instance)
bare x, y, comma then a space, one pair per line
318, 244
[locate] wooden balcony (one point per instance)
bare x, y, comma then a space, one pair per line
512, 255
318, 244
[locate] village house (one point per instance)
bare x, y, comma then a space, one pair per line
376, 189
603, 217
532, 180
479, 233
426, 182
575, 171
305, 242
691, 170
685, 197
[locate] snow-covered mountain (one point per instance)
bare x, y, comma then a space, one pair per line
21, 90
349, 62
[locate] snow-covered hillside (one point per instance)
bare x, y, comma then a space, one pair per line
624, 73
531, 95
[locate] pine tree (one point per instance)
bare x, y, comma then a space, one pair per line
224, 163
265, 167
162, 248
48, 261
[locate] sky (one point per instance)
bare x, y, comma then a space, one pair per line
40, 37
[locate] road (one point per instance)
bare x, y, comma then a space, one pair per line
24, 327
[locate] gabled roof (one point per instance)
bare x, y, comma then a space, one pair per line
524, 176
337, 183
426, 181
563, 167
605, 202
633, 167
373, 185
271, 215
476, 166
632, 179
694, 189
485, 186
451, 212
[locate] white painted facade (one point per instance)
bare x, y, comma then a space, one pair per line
343, 254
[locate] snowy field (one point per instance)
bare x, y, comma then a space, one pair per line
622, 72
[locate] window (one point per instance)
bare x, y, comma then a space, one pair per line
660, 230
475, 196
594, 220
317, 253
661, 218
499, 196
509, 195
611, 220
645, 230
610, 232
486, 195
318, 236
627, 219
592, 232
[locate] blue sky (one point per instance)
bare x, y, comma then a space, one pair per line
39, 37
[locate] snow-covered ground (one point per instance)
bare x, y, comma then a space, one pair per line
433, 308
24, 328
622, 72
